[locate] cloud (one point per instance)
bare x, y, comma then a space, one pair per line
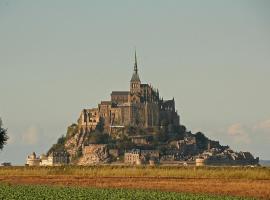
239, 133
30, 136
262, 128
253, 137
263, 125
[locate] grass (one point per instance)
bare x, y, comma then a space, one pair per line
8, 192
261, 173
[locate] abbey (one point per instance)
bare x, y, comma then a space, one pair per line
137, 127
141, 106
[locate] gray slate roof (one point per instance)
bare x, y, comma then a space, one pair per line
135, 77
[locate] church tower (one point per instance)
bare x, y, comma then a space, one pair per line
135, 84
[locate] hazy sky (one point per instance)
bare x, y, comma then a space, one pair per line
58, 57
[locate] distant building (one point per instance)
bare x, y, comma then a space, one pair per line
137, 156
140, 106
133, 157
33, 160
141, 139
154, 154
46, 160
54, 159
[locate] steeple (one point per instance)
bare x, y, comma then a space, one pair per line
135, 64
135, 76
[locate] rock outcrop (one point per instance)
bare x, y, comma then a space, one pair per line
94, 154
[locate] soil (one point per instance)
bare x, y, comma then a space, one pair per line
234, 187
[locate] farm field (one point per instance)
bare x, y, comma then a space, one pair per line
8, 192
225, 181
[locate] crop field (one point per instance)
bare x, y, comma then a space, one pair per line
143, 171
185, 182
8, 192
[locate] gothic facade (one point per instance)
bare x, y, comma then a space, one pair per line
141, 106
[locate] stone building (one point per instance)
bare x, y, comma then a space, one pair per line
141, 139
55, 159
141, 106
33, 160
46, 160
133, 157
152, 153
137, 156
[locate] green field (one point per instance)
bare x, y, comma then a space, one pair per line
8, 192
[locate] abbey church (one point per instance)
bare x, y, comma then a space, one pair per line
141, 106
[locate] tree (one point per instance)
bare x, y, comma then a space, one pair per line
3, 135
59, 146
100, 125
124, 143
98, 138
131, 130
201, 140
61, 140
72, 130
181, 130
162, 136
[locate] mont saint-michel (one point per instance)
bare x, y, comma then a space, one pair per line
136, 127
135, 100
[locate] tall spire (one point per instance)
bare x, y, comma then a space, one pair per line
135, 76
135, 64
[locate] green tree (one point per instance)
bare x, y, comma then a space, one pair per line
98, 138
124, 143
100, 125
3, 135
181, 130
59, 146
131, 130
201, 140
72, 130
61, 140
162, 136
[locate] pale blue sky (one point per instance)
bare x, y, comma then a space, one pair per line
57, 57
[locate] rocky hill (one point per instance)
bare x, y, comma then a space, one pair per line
173, 144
